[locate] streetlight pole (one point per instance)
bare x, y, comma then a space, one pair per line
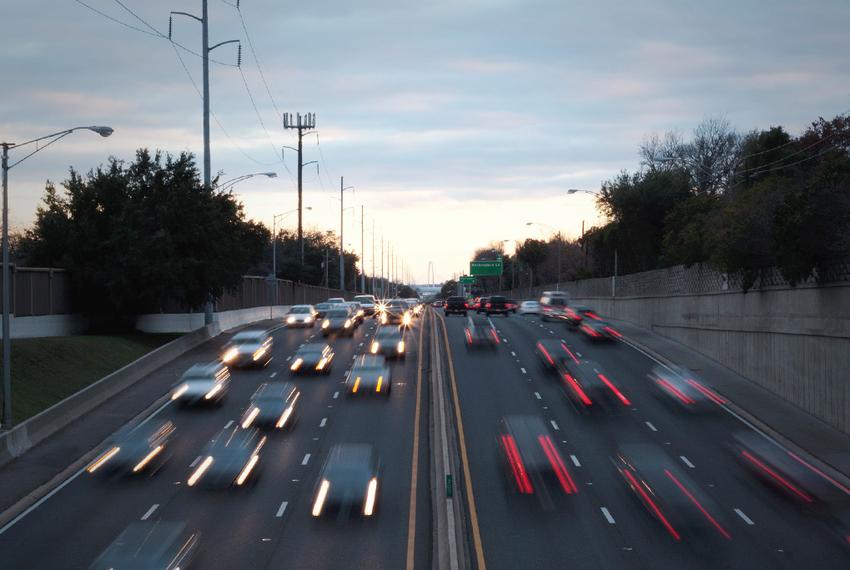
558, 233
234, 181
275, 217
362, 250
7, 333
341, 242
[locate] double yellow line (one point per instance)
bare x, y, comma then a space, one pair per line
414, 473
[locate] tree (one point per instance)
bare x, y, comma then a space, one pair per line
135, 237
407, 292
532, 252
449, 289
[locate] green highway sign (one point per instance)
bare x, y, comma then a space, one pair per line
466, 279
485, 268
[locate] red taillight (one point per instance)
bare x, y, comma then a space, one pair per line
613, 333
675, 391
468, 336
710, 394
819, 472
696, 503
488, 305
776, 477
614, 389
577, 389
557, 464
495, 336
520, 474
570, 352
638, 488
466, 305
545, 353
592, 315
590, 331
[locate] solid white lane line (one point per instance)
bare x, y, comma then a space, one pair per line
686, 461
513, 353
650, 426
306, 459
323, 422
281, 509
575, 461
608, 516
195, 462
523, 371
554, 425
273, 374
228, 424
150, 511
336, 395
747, 519
537, 395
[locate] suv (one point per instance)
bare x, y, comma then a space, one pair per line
456, 305
553, 305
496, 305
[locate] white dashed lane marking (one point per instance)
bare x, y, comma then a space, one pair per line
686, 461
195, 462
324, 422
336, 395
273, 374
306, 459
150, 511
513, 353
228, 424
537, 395
575, 461
281, 509
554, 425
650, 426
607, 515
523, 371
746, 519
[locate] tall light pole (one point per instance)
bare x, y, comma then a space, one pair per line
558, 233
583, 244
304, 125
362, 250
342, 190
234, 181
7, 334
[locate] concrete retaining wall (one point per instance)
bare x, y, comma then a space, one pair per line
794, 342
46, 325
187, 322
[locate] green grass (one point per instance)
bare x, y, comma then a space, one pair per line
46, 370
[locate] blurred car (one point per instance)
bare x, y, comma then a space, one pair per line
480, 332
532, 460
455, 305
553, 305
480, 304
349, 478
368, 303
338, 320
389, 342
575, 314
246, 348
202, 384
322, 309
667, 493
529, 308
358, 314
474, 304
397, 312
164, 545
437, 304
312, 357
135, 449
229, 459
301, 316
369, 374
681, 386
553, 354
495, 305
336, 301
273, 405
512, 305
598, 329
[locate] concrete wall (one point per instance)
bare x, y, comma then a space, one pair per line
46, 325
187, 322
794, 342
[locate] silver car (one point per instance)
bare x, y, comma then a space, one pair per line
202, 384
248, 348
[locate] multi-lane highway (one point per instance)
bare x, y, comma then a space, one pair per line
602, 525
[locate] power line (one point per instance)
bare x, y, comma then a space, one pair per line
256, 59
257, 112
783, 145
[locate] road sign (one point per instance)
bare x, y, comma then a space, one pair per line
467, 279
485, 268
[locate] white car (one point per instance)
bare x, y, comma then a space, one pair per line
301, 316
529, 308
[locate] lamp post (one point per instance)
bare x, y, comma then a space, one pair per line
6, 167
341, 226
234, 181
280, 216
584, 246
560, 244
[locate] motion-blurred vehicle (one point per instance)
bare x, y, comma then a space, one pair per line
369, 375
135, 449
397, 313
455, 306
301, 316
667, 493
322, 309
230, 459
248, 348
529, 308
512, 305
480, 303
336, 301
480, 332
682, 387
389, 342
202, 384
553, 305
338, 320
437, 304
473, 303
273, 405
349, 479
531, 459
312, 357
496, 305
164, 545
358, 314
415, 306
598, 329
575, 314
368, 303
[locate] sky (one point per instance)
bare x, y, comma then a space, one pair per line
456, 121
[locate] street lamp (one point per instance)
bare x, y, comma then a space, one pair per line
575, 190
558, 233
275, 217
234, 181
6, 167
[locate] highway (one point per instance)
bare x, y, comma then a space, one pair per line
269, 524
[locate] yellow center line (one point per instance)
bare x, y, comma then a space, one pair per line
411, 519
470, 497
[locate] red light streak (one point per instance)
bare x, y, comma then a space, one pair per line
642, 492
694, 500
675, 391
557, 464
520, 474
710, 394
577, 389
777, 477
614, 389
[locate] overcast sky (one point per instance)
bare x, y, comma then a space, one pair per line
456, 121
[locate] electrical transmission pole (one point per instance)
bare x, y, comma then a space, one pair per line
300, 123
205, 58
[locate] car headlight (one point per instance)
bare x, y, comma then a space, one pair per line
179, 391
371, 493
308, 319
406, 319
360, 313
401, 346
375, 348
258, 354
326, 323
215, 390
322, 363
320, 497
383, 318
199, 472
249, 419
347, 323
290, 320
103, 459
230, 354
296, 364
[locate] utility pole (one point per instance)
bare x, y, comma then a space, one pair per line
205, 58
362, 250
382, 268
373, 256
341, 242
300, 123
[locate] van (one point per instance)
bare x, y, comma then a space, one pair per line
553, 305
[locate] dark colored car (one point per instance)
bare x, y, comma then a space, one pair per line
229, 459
598, 329
397, 312
496, 305
480, 304
667, 493
389, 342
138, 449
369, 374
575, 314
682, 387
512, 305
437, 304
202, 384
338, 320
455, 306
531, 458
273, 405
322, 309
312, 357
350, 478
163, 545
480, 332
